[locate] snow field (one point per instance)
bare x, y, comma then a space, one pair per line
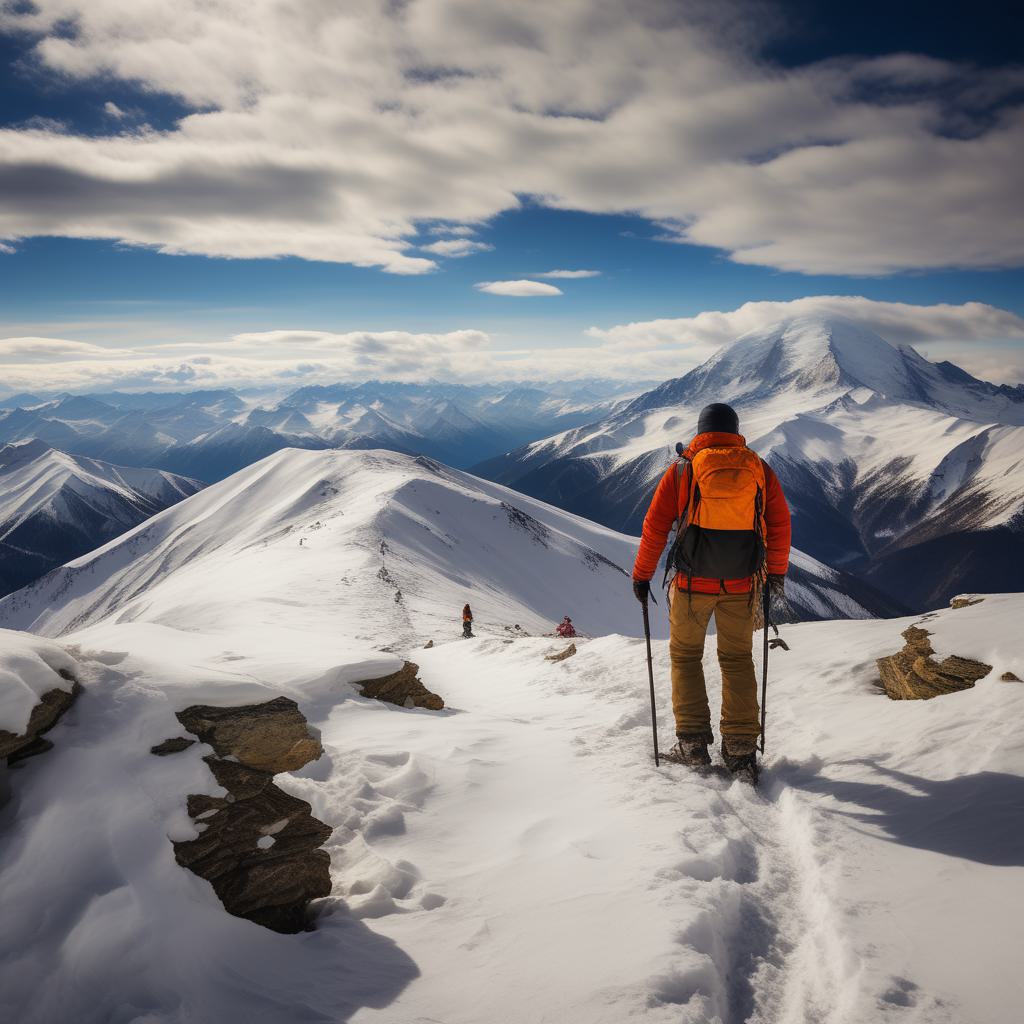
534, 812
517, 858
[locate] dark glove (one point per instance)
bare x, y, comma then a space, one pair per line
642, 589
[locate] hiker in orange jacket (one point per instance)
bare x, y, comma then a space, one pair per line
467, 621
739, 489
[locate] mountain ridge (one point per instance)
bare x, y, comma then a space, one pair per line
55, 507
807, 374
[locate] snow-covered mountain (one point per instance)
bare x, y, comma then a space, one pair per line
898, 469
55, 507
518, 849
211, 434
404, 539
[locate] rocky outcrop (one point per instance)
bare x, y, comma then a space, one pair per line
258, 846
965, 601
273, 736
562, 655
1009, 677
403, 688
914, 674
175, 745
45, 715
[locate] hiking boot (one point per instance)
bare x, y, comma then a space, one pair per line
740, 756
691, 749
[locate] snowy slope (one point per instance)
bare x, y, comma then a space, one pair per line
54, 506
878, 448
404, 540
517, 857
944, 477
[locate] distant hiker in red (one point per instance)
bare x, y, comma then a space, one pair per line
565, 627
467, 621
732, 539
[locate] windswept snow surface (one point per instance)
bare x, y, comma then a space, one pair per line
516, 857
29, 667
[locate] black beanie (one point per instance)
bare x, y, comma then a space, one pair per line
718, 417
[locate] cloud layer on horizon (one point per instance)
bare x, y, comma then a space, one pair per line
651, 350
345, 132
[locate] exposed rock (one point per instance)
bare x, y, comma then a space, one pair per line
965, 601
401, 688
174, 745
259, 847
562, 655
428, 645
1009, 677
270, 883
52, 704
913, 674
272, 737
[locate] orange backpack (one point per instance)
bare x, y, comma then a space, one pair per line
721, 532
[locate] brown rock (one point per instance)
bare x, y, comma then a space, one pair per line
272, 737
270, 884
403, 688
913, 674
1009, 677
917, 640
562, 655
172, 746
428, 645
52, 704
965, 602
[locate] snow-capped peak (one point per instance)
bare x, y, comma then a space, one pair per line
812, 358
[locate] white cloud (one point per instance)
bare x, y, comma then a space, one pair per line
456, 247
455, 230
569, 274
111, 109
333, 131
243, 359
965, 332
33, 349
982, 339
518, 289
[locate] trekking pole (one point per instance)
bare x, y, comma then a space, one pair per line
650, 676
766, 603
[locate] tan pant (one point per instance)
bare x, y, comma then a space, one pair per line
734, 619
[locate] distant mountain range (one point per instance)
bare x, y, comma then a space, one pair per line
208, 435
55, 507
907, 473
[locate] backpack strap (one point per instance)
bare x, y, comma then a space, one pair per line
683, 471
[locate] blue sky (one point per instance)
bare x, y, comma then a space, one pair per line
95, 143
